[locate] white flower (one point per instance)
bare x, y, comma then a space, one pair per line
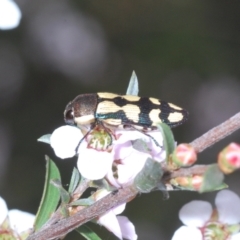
118, 225
97, 162
3, 210
129, 161
202, 222
19, 221
10, 14
64, 140
92, 164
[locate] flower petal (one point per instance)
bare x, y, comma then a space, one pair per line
228, 206
64, 141
112, 180
195, 213
109, 221
235, 236
187, 233
123, 150
10, 14
127, 228
119, 209
131, 166
20, 221
93, 164
3, 210
127, 136
156, 152
128, 160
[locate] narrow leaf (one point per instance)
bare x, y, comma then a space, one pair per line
149, 177
213, 179
133, 85
65, 197
64, 210
168, 139
102, 183
45, 138
75, 179
50, 196
88, 233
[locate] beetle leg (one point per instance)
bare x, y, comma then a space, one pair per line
86, 134
143, 132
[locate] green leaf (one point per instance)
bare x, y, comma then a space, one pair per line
168, 139
65, 196
149, 177
75, 179
88, 233
133, 85
221, 187
45, 138
213, 179
102, 183
64, 210
83, 202
50, 196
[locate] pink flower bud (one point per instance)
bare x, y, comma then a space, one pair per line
229, 158
188, 182
183, 156
197, 182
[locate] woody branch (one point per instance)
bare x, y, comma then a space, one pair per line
66, 225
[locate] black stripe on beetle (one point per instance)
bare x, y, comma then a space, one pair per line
116, 110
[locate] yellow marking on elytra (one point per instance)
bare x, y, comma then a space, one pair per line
131, 111
107, 107
175, 117
113, 95
154, 101
112, 121
87, 119
174, 106
131, 98
107, 95
154, 116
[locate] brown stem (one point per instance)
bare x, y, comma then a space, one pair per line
194, 170
103, 205
57, 215
66, 225
217, 133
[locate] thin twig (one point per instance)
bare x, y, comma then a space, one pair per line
217, 133
103, 205
66, 225
182, 172
57, 215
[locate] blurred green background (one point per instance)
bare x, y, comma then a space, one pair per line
185, 52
